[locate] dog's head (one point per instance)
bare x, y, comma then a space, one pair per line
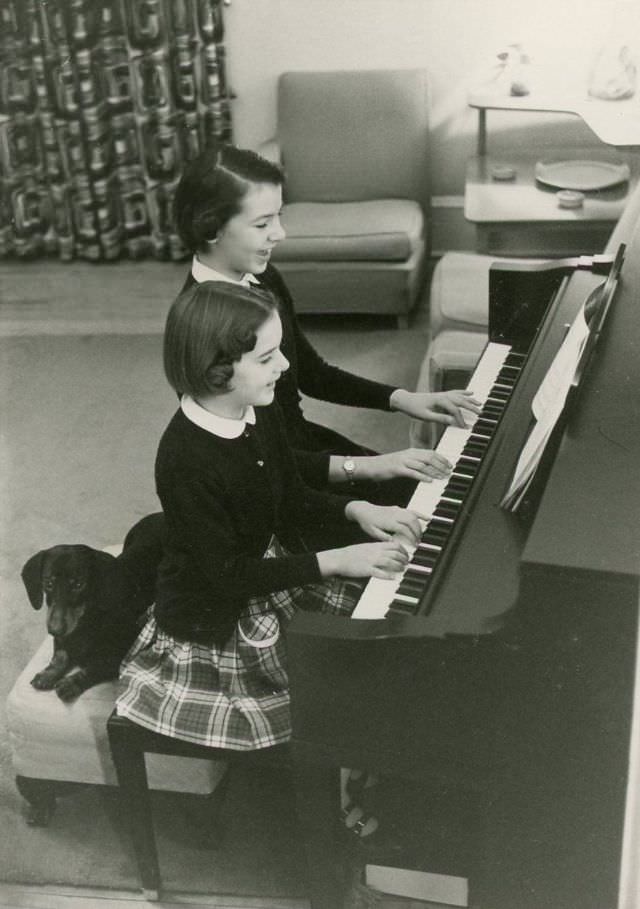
70, 580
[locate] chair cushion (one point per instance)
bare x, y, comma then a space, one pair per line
451, 351
459, 295
448, 362
382, 230
51, 740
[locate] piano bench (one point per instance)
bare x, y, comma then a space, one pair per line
56, 746
448, 363
130, 744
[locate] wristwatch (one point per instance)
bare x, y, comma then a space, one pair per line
349, 467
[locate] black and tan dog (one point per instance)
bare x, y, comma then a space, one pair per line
95, 605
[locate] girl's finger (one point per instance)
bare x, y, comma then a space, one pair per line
411, 528
419, 515
418, 473
436, 460
379, 534
383, 575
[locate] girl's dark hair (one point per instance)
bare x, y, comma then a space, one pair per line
211, 190
208, 328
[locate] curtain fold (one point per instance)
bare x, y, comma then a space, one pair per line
101, 103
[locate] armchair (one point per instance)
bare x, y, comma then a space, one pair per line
354, 146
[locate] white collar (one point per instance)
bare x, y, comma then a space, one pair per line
202, 272
225, 427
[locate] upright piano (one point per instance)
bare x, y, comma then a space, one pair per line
501, 665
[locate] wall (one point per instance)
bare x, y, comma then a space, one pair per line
455, 39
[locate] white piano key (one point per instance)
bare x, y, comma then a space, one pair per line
378, 594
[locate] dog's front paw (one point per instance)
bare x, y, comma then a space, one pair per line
71, 687
45, 680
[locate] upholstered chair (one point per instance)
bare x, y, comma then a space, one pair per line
355, 149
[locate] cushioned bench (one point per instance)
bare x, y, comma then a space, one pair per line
55, 745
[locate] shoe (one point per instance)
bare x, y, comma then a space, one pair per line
357, 783
357, 822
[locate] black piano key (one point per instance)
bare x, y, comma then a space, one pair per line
417, 573
485, 424
432, 535
411, 587
457, 489
403, 607
473, 449
423, 560
440, 519
460, 481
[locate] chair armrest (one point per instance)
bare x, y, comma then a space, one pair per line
270, 149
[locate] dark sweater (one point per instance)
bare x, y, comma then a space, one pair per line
222, 507
310, 374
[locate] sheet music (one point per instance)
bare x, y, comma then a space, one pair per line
547, 406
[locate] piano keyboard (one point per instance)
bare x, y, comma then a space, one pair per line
440, 500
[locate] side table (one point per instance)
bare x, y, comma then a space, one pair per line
522, 217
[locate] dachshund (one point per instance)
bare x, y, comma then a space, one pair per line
96, 603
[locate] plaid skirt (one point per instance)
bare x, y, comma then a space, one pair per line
235, 696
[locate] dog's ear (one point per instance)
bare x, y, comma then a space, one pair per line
32, 578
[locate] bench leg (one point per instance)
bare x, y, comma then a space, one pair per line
41, 798
136, 803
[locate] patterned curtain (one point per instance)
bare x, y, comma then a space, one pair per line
101, 102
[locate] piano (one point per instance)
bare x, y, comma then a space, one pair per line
501, 665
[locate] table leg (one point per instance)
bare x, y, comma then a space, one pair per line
317, 789
482, 131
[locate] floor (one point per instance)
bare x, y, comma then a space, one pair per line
84, 298
36, 297
13, 897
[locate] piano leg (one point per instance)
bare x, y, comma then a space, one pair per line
317, 788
